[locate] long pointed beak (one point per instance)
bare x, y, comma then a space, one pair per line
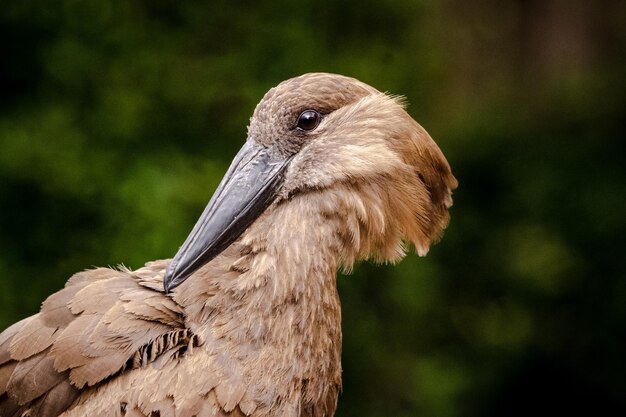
247, 189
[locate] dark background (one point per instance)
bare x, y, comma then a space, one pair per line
118, 118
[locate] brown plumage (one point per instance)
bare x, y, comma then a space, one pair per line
333, 172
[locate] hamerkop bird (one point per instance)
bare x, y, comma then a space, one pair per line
245, 320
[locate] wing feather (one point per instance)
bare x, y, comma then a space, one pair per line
55, 401
101, 323
33, 338
33, 377
7, 336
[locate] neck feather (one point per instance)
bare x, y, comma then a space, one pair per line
268, 305
270, 302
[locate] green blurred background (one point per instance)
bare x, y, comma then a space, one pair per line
118, 118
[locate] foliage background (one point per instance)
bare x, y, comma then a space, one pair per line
118, 118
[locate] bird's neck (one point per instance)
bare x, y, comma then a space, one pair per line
270, 300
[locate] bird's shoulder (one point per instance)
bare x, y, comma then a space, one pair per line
103, 322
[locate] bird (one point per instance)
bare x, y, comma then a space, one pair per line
245, 320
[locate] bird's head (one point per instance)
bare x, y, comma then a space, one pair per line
319, 132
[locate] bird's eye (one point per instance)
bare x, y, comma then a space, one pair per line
308, 120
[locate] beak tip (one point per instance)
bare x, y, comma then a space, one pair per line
246, 190
168, 279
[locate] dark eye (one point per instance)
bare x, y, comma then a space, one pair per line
308, 120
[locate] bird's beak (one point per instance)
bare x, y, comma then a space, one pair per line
247, 189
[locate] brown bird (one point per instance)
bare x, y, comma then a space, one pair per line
246, 319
